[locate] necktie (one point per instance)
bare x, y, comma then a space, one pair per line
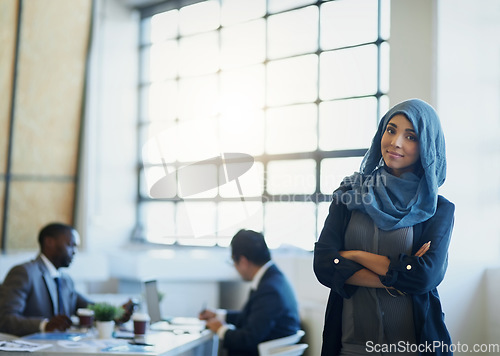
60, 306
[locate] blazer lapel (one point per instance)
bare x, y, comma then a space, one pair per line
50, 283
51, 287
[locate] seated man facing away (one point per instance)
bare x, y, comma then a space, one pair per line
29, 298
271, 311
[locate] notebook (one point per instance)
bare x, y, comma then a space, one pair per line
161, 323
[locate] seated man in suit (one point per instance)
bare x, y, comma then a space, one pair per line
29, 297
271, 311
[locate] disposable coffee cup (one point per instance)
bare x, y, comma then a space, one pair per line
141, 321
86, 317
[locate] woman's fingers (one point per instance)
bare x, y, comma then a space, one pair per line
422, 250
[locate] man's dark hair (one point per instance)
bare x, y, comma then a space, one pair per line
53, 230
252, 245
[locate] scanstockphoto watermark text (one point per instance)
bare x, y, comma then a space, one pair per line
432, 347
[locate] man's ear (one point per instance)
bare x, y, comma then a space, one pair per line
243, 259
48, 243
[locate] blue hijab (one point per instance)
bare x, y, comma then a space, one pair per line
396, 202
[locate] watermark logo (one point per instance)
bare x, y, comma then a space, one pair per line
430, 347
219, 166
197, 177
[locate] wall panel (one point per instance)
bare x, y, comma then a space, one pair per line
8, 30
8, 24
51, 64
47, 111
33, 205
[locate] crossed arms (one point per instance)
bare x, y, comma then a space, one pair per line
374, 266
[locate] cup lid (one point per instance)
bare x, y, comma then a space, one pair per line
84, 312
140, 317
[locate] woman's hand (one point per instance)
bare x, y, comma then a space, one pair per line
365, 278
376, 263
422, 250
350, 254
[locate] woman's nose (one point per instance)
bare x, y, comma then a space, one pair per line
397, 140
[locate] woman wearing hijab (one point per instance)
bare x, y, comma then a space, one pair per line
384, 247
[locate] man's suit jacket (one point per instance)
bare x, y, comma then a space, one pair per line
29, 294
271, 312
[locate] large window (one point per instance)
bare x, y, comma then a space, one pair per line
252, 112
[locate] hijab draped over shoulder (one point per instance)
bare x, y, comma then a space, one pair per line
396, 202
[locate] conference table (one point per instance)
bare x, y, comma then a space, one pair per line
154, 343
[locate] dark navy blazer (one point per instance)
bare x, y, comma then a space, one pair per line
417, 276
271, 312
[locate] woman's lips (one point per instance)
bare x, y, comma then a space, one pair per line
394, 154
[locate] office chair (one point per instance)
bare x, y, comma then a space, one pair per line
283, 346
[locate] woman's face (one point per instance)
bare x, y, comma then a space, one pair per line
400, 147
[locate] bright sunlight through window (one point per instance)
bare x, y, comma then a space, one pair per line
252, 112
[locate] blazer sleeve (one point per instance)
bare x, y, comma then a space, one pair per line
233, 317
13, 295
331, 269
419, 275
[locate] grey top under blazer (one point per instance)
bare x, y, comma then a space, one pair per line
28, 295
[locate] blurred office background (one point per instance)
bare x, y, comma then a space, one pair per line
100, 100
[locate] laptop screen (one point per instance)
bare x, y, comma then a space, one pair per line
152, 301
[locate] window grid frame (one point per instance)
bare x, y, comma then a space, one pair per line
317, 155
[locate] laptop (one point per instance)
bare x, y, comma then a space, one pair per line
160, 323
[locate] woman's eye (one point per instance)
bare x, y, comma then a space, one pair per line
412, 138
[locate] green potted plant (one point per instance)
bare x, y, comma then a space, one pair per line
105, 315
